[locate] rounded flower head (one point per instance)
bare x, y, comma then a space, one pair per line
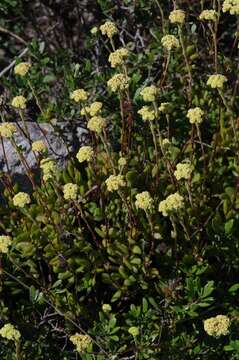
38, 146
232, 6
9, 332
118, 82
94, 30
70, 191
183, 171
195, 115
19, 102
208, 15
166, 143
5, 242
7, 130
114, 182
79, 95
48, 167
149, 93
144, 201
169, 42
85, 153
173, 202
109, 29
80, 341
93, 109
177, 17
96, 124
216, 81
147, 113
164, 107
122, 161
133, 330
217, 326
22, 68
106, 308
118, 57
21, 199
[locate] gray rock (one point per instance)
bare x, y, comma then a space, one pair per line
61, 141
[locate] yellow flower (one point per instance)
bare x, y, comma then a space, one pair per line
195, 115
166, 143
96, 124
38, 146
117, 57
48, 167
177, 17
5, 242
22, 68
85, 153
109, 29
216, 81
106, 308
134, 331
114, 182
79, 95
232, 6
21, 199
7, 130
118, 82
173, 202
19, 102
183, 171
147, 113
70, 191
144, 201
149, 93
164, 107
80, 341
217, 326
122, 161
9, 332
169, 42
208, 15
93, 109
94, 30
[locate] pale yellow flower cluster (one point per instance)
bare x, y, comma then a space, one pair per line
118, 82
118, 57
166, 143
177, 17
169, 42
147, 113
114, 182
93, 109
173, 202
208, 15
70, 191
149, 93
19, 102
5, 242
7, 130
122, 161
9, 332
96, 124
79, 95
216, 81
48, 167
144, 201
217, 326
106, 308
22, 68
80, 341
85, 153
232, 6
109, 29
183, 171
195, 115
94, 30
38, 146
164, 107
21, 199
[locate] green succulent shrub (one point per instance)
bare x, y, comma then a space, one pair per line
131, 250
